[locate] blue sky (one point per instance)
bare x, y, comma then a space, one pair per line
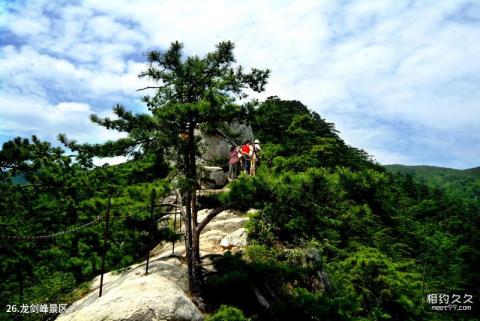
399, 79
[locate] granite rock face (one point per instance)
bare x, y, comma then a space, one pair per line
151, 297
130, 295
217, 147
212, 177
235, 239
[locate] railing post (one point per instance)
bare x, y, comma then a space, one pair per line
105, 243
174, 228
150, 235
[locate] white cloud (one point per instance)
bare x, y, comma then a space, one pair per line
109, 160
26, 116
29, 26
402, 62
26, 70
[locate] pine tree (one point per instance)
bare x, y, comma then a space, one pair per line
191, 94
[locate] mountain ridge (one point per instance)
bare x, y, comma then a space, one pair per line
429, 170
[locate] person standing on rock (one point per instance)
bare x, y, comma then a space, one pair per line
255, 160
240, 160
246, 154
233, 163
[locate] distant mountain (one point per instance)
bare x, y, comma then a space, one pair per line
474, 172
428, 172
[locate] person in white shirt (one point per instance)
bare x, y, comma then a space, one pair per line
255, 159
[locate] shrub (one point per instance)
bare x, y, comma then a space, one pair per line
227, 313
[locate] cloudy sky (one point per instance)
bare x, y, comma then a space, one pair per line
400, 79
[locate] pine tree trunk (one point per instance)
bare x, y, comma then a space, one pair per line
193, 247
196, 260
188, 242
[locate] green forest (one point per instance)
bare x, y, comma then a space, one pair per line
337, 236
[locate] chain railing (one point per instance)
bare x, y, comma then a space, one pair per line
69, 230
73, 229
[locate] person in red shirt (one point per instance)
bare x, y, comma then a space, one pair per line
247, 153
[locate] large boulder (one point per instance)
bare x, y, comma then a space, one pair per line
212, 177
224, 224
215, 148
147, 298
235, 239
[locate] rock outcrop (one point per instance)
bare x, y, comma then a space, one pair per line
130, 295
220, 227
143, 298
235, 239
212, 177
217, 147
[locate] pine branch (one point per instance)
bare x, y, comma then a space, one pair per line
151, 87
210, 216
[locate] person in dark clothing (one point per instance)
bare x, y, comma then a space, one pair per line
233, 163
